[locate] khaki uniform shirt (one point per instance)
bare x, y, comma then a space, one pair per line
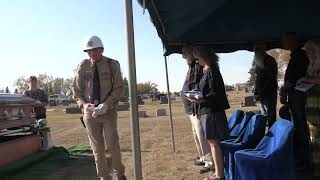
111, 82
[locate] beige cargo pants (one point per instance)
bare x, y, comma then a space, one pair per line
103, 135
202, 144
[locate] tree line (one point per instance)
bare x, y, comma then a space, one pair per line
48, 83
57, 85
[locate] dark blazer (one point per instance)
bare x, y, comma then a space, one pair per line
212, 87
191, 82
266, 80
297, 66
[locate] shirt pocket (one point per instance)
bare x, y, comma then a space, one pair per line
87, 75
105, 76
87, 78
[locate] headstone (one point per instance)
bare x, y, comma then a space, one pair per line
246, 90
65, 103
161, 112
122, 107
163, 100
249, 101
151, 96
52, 103
158, 96
140, 101
145, 97
124, 99
73, 110
142, 114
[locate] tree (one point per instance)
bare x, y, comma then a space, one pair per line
46, 83
57, 85
22, 84
282, 57
67, 86
16, 91
253, 75
7, 90
147, 88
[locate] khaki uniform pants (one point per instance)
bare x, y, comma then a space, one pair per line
103, 134
202, 144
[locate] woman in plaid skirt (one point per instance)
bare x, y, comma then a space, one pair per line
312, 48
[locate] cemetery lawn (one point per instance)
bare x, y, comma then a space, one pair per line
158, 159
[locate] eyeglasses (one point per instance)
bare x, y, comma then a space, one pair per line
92, 50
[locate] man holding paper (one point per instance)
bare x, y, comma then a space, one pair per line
190, 87
297, 69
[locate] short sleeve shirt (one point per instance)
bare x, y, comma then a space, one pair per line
41, 96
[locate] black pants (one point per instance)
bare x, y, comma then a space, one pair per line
301, 138
269, 108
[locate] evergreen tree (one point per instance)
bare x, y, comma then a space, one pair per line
253, 75
7, 90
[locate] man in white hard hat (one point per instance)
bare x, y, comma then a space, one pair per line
98, 86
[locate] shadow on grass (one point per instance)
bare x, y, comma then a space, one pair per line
85, 149
54, 164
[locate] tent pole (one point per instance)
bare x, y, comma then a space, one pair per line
169, 104
133, 92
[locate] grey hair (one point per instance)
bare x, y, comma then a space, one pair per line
209, 56
314, 66
314, 43
187, 52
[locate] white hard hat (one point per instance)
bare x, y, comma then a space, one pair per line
92, 42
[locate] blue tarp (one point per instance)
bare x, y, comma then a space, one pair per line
271, 159
230, 25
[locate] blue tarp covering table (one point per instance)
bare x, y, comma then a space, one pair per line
271, 159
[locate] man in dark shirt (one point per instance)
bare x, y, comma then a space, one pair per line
266, 83
192, 82
296, 69
39, 95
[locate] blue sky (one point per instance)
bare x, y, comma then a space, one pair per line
42, 36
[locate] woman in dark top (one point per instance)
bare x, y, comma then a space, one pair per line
39, 95
212, 106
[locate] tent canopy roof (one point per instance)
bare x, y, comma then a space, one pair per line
230, 25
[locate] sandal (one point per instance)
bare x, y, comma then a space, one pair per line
215, 178
208, 178
219, 178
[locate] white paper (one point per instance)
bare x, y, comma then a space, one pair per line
192, 94
304, 87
